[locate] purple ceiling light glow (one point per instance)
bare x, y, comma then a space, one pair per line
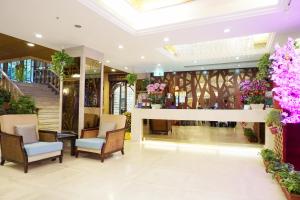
286, 76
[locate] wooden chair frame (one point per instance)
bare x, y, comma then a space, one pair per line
110, 146
12, 148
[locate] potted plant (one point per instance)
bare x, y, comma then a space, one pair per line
20, 72
131, 79
273, 120
5, 97
290, 184
128, 125
263, 66
60, 60
155, 92
249, 133
253, 93
23, 105
268, 156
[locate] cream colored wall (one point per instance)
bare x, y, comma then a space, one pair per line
106, 94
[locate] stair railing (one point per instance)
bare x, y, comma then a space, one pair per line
53, 81
48, 77
7, 84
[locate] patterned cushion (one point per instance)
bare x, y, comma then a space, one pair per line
106, 126
42, 147
28, 132
90, 143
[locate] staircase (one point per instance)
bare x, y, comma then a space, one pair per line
46, 101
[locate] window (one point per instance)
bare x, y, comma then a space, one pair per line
122, 98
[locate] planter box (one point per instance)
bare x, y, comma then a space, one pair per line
288, 195
257, 106
266, 163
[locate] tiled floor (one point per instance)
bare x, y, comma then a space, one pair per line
152, 170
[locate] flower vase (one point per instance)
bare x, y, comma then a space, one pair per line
257, 106
156, 106
246, 107
274, 130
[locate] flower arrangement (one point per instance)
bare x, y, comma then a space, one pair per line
286, 76
155, 92
253, 92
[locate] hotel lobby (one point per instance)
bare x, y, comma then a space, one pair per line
150, 99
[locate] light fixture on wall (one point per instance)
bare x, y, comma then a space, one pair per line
75, 76
66, 91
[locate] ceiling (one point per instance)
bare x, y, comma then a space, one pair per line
11, 48
103, 30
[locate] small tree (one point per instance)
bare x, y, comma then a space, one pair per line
60, 60
286, 76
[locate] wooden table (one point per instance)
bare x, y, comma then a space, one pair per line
69, 136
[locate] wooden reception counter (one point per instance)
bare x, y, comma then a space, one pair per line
192, 115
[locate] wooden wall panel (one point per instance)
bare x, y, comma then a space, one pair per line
212, 86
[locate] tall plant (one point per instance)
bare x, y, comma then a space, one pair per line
60, 60
20, 72
131, 79
263, 66
286, 76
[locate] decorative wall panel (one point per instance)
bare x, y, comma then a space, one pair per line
206, 88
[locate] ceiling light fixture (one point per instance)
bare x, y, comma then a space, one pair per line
107, 61
226, 30
30, 44
38, 35
195, 61
237, 58
142, 57
126, 68
158, 65
166, 39
120, 46
113, 70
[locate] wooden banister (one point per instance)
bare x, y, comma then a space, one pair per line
7, 84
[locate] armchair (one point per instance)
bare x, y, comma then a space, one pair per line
104, 146
14, 149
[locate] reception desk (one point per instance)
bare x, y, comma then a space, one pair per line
192, 115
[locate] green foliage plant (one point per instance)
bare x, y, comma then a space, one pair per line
274, 118
20, 72
131, 79
23, 105
263, 67
60, 60
269, 155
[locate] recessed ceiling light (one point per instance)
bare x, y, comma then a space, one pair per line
195, 61
113, 70
226, 30
237, 58
158, 65
166, 39
30, 44
95, 70
142, 57
77, 26
120, 46
239, 65
125, 67
38, 35
107, 61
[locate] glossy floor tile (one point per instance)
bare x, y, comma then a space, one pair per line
151, 170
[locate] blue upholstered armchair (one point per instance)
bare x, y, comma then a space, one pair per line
21, 142
107, 139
